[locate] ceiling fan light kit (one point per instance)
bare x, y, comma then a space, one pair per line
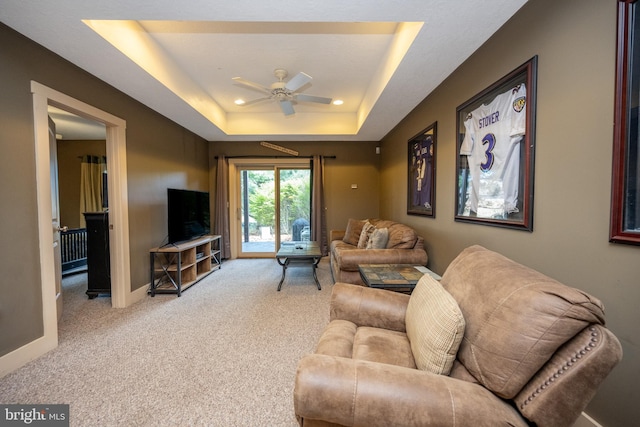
285, 93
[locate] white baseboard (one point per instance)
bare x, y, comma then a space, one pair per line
18, 358
586, 421
137, 295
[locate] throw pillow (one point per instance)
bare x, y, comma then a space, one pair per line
378, 239
435, 326
367, 230
353, 231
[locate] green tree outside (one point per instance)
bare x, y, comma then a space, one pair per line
295, 197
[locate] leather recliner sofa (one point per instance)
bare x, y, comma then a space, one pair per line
533, 352
402, 246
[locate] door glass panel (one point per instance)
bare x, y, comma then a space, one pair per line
295, 204
257, 206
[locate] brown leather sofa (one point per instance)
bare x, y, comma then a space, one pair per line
403, 246
533, 352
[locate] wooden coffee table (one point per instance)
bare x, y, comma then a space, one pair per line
299, 252
394, 277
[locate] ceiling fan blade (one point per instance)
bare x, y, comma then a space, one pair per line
311, 98
287, 108
254, 101
252, 85
298, 81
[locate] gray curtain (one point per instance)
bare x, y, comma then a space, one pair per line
221, 224
318, 211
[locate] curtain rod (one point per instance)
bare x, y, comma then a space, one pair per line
275, 157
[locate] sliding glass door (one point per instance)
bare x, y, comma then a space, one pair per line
257, 207
294, 211
273, 205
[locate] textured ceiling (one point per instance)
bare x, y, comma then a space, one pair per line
380, 57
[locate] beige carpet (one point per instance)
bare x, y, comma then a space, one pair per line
223, 354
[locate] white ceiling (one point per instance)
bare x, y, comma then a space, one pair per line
72, 127
381, 57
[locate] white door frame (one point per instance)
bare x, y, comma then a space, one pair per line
121, 295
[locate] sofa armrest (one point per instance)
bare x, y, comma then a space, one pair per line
356, 392
336, 235
369, 307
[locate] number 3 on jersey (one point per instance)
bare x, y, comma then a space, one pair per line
489, 141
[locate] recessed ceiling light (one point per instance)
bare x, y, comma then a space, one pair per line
239, 101
338, 102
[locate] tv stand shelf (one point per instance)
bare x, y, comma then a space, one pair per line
174, 268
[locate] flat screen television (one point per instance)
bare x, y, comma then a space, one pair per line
189, 215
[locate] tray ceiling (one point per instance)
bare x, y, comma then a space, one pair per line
381, 58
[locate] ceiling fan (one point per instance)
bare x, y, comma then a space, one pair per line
286, 93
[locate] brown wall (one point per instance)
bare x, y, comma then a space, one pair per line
160, 154
355, 163
21, 302
575, 42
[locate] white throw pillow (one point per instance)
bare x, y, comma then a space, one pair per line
378, 239
435, 326
367, 229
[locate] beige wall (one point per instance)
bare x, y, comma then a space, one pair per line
160, 154
575, 43
355, 163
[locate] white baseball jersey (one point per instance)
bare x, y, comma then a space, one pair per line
492, 146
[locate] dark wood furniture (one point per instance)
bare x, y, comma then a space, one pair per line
98, 260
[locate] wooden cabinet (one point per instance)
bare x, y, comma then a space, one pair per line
173, 268
98, 260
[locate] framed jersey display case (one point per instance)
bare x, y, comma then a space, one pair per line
495, 152
625, 197
421, 198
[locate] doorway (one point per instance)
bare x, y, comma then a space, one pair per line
79, 178
118, 211
272, 199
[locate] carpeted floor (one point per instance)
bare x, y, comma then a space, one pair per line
223, 354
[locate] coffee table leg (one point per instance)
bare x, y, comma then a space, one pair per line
284, 270
316, 261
